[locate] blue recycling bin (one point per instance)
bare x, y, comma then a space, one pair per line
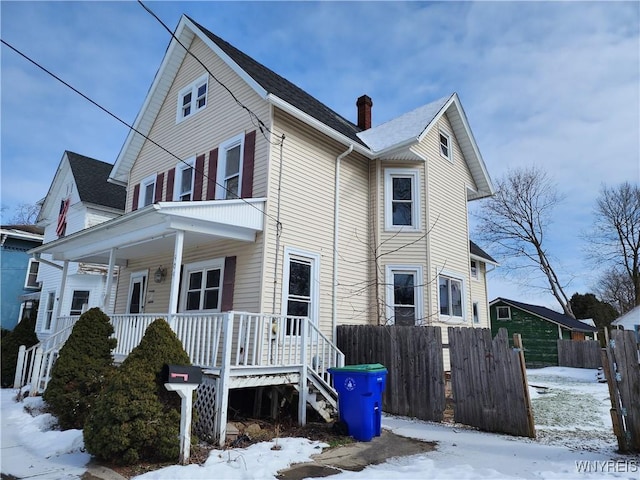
360, 390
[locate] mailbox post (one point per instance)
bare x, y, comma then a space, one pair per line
183, 380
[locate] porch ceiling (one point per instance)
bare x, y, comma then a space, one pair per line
151, 230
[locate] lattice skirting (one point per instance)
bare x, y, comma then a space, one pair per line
205, 405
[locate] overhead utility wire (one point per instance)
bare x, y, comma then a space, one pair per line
131, 127
261, 125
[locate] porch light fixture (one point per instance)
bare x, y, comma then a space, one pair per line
160, 274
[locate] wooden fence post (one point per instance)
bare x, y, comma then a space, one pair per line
517, 343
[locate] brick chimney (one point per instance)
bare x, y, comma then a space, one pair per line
364, 105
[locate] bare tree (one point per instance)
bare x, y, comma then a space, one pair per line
26, 214
616, 288
615, 239
515, 222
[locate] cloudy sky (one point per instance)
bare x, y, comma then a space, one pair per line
551, 84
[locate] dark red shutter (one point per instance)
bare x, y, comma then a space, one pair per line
247, 164
199, 175
171, 175
211, 174
136, 196
159, 184
228, 283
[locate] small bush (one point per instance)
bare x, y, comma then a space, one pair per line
136, 418
83, 367
22, 334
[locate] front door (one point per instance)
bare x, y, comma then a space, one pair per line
137, 289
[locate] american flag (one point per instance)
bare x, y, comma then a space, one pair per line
62, 218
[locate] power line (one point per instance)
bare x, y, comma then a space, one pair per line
261, 125
131, 127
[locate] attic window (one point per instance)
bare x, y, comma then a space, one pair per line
445, 146
192, 98
503, 313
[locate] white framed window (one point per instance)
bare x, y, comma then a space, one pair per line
476, 314
300, 287
402, 199
147, 191
202, 286
229, 176
474, 269
445, 146
48, 313
404, 294
192, 98
31, 280
184, 181
503, 313
137, 291
451, 296
79, 302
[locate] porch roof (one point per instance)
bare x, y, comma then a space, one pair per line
151, 230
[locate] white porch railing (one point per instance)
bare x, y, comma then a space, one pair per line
212, 341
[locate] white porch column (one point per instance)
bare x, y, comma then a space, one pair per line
63, 286
175, 272
106, 298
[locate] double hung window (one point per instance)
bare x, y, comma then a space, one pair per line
183, 187
404, 295
445, 146
230, 169
451, 296
402, 207
147, 191
31, 281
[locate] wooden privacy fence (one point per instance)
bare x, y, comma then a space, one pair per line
413, 358
621, 367
579, 353
489, 382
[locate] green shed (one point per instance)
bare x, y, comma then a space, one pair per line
539, 327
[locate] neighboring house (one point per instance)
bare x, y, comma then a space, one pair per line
264, 200
79, 197
19, 290
540, 328
629, 321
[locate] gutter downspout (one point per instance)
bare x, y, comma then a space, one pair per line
336, 213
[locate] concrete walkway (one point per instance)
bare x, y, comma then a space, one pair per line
356, 456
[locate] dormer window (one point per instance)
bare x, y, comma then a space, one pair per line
445, 146
192, 98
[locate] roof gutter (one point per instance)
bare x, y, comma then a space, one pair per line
336, 236
309, 120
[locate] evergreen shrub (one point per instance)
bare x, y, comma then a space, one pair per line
22, 334
81, 370
136, 418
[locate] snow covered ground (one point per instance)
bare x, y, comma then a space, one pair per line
574, 441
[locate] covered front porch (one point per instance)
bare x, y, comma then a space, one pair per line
235, 349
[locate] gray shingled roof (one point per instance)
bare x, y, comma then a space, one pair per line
478, 252
548, 314
91, 179
285, 90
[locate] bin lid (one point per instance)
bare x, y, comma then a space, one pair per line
362, 368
